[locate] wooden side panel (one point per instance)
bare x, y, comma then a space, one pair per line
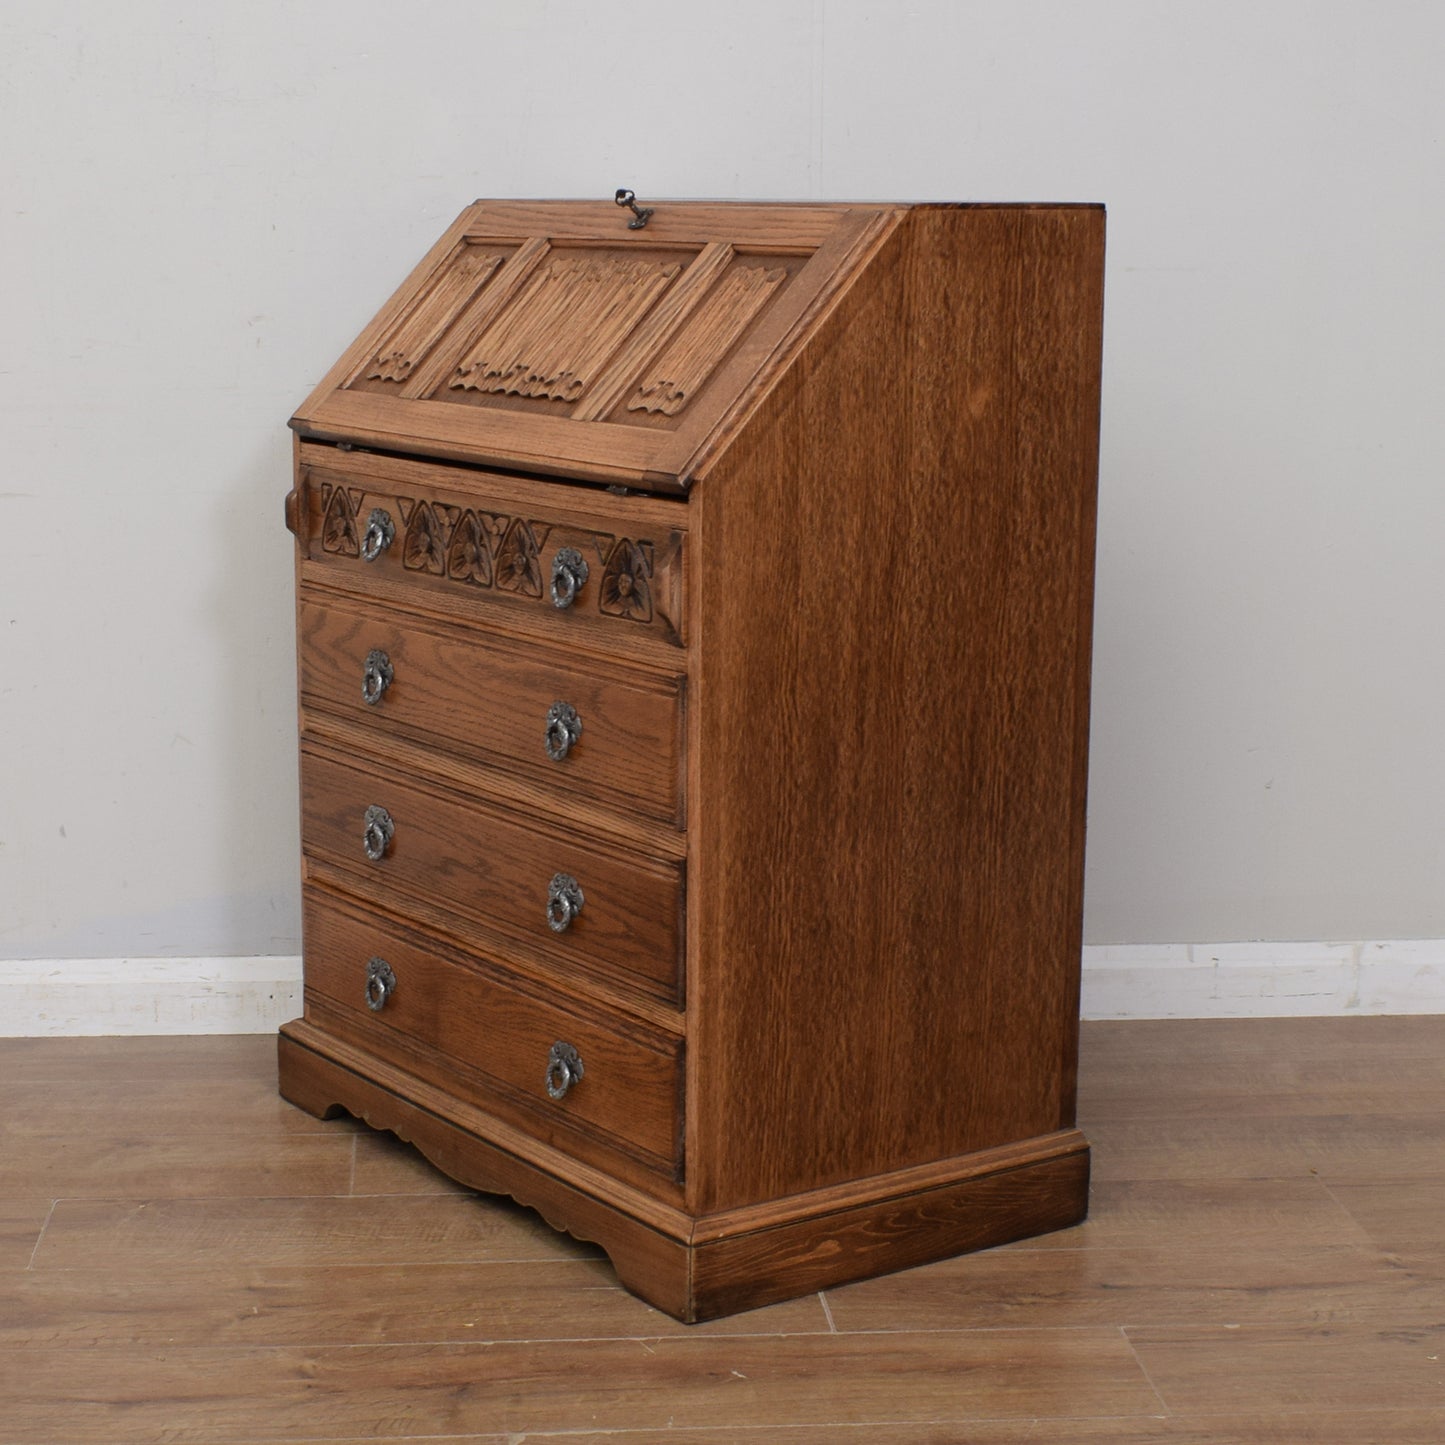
891, 625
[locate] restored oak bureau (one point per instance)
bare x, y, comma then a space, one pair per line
694, 614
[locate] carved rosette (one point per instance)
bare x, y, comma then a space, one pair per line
338, 522
626, 586
424, 549
519, 562
469, 556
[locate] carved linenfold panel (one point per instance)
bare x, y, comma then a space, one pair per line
338, 524
706, 339
626, 586
565, 323
415, 335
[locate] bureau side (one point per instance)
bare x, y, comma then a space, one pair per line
891, 616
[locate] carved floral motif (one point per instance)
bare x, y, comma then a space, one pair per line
519, 562
626, 586
424, 549
338, 523
474, 539
491, 550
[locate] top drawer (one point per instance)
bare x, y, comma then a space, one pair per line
577, 560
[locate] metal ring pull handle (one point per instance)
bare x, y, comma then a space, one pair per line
564, 902
378, 833
564, 727
569, 576
564, 1068
379, 535
376, 676
380, 984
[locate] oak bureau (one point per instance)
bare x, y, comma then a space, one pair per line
694, 612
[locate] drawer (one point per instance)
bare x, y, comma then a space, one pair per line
602, 733
575, 560
488, 1038
505, 873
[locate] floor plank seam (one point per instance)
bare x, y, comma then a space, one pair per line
1143, 1370
39, 1238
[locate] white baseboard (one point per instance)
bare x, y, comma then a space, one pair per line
53, 997
1263, 980
47, 997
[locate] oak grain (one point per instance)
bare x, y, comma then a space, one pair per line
117, 1394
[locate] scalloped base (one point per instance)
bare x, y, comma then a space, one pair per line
699, 1268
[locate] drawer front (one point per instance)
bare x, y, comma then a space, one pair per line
487, 1039
532, 711
475, 860
522, 550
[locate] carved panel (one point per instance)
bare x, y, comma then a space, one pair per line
706, 339
519, 563
415, 335
626, 586
634, 579
568, 319
424, 549
474, 541
338, 523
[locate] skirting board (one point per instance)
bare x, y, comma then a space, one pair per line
53, 997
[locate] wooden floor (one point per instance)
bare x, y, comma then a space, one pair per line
183, 1257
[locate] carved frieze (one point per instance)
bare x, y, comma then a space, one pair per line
495, 552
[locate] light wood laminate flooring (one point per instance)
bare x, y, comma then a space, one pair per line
186, 1258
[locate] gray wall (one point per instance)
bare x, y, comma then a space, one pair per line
203, 204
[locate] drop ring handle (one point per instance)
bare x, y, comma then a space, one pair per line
564, 727
379, 535
564, 1068
564, 902
377, 833
380, 984
569, 576
376, 676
